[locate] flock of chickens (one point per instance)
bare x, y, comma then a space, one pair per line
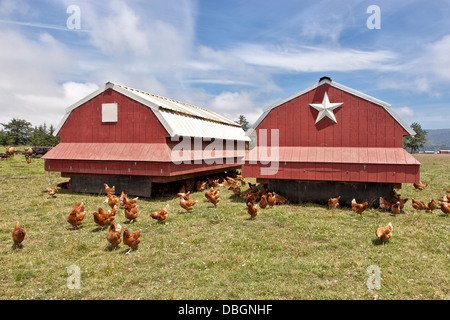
103, 217
396, 205
254, 198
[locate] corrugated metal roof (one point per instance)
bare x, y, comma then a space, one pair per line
333, 155
179, 107
195, 127
339, 86
139, 152
179, 119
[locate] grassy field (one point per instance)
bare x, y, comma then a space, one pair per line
289, 252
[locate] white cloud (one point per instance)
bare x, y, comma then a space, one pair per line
233, 104
405, 112
314, 59
140, 40
39, 108
32, 65
438, 58
34, 71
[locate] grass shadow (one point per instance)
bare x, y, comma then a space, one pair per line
111, 248
378, 242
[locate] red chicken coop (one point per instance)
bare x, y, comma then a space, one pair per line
329, 140
132, 140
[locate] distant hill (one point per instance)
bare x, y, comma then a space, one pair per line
438, 139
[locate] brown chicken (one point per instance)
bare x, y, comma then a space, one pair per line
384, 204
200, 185
113, 212
224, 183
420, 186
112, 200
241, 179
185, 195
263, 201
52, 191
113, 235
131, 212
252, 210
10, 151
160, 215
109, 190
18, 236
445, 207
418, 205
77, 215
431, 205
280, 199
359, 207
213, 183
236, 189
396, 197
384, 233
395, 208
64, 185
187, 204
265, 188
402, 202
212, 193
333, 203
124, 200
271, 200
78, 204
103, 217
213, 196
131, 240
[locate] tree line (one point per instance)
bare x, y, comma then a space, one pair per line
19, 132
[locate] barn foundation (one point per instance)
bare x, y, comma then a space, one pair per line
138, 186
321, 191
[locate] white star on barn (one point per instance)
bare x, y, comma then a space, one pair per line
326, 109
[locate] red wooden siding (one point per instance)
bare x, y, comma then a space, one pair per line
365, 145
360, 123
136, 122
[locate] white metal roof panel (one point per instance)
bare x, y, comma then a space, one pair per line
194, 127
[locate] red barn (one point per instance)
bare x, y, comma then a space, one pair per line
329, 140
132, 139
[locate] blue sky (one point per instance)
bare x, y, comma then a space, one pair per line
232, 57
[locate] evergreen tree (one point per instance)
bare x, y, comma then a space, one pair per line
416, 142
17, 132
42, 136
243, 122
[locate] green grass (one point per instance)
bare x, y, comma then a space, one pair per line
289, 252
